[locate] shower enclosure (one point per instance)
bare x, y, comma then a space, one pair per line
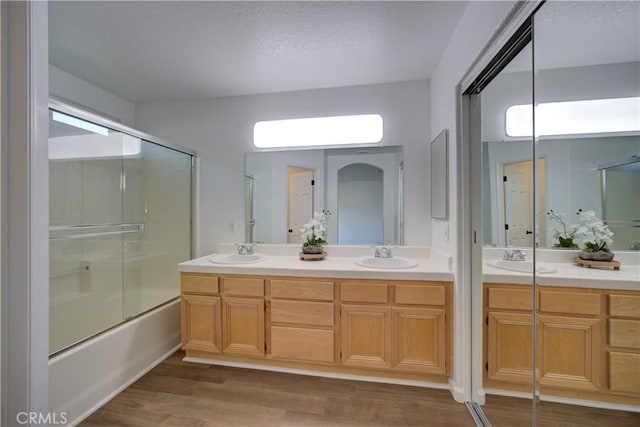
120, 222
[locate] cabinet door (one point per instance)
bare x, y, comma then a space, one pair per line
243, 326
366, 336
510, 347
200, 323
569, 352
420, 340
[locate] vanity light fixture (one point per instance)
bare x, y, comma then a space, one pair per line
78, 123
575, 117
318, 131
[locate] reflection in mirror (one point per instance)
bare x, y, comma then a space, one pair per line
620, 183
360, 203
361, 187
597, 63
569, 166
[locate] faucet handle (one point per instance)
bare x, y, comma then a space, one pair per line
245, 248
383, 252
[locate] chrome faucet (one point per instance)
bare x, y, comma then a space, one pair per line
383, 252
514, 255
245, 248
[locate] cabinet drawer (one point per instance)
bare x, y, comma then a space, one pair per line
624, 372
624, 333
199, 283
364, 292
574, 302
420, 294
243, 286
624, 305
302, 289
302, 312
302, 344
512, 299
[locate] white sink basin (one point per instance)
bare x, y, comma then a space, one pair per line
391, 263
522, 266
235, 258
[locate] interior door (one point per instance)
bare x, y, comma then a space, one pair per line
299, 201
518, 203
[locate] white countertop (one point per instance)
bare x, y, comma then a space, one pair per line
567, 272
283, 260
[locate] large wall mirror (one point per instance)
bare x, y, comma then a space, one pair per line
361, 187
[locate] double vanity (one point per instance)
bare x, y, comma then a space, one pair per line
352, 313
391, 318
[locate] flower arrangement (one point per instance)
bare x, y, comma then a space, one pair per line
563, 231
597, 236
314, 232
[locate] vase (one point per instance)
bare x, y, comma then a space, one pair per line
312, 249
596, 256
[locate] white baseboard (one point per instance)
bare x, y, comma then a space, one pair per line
425, 384
457, 392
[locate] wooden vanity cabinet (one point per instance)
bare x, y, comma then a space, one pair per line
569, 338
243, 316
200, 313
623, 350
588, 341
391, 329
365, 316
397, 325
508, 334
303, 320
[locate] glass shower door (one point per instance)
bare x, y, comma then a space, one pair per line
86, 229
157, 194
120, 222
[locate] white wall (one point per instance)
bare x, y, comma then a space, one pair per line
220, 130
84, 94
473, 32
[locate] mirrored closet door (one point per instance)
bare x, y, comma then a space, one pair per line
555, 179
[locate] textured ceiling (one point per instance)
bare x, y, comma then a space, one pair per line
150, 51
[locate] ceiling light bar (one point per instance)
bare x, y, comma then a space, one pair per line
319, 131
575, 117
80, 124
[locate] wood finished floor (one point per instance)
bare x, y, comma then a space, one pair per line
510, 411
177, 393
